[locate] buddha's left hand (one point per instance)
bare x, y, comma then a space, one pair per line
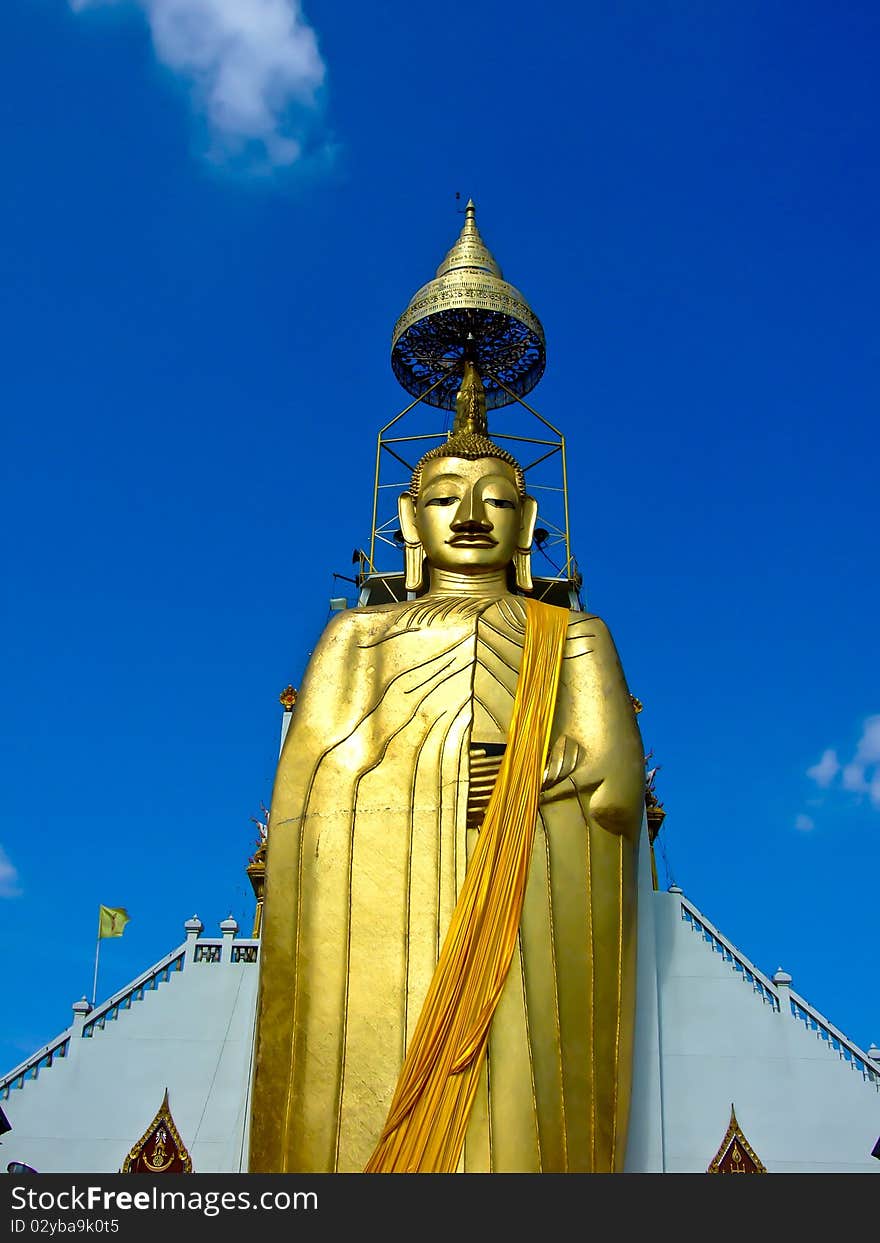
564, 757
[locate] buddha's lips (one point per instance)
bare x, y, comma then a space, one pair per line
472, 541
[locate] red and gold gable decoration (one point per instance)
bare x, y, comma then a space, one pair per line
736, 1155
160, 1150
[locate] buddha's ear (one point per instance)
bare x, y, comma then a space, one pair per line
406, 512
522, 557
528, 518
413, 553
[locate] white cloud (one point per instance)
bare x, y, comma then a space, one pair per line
253, 65
8, 877
826, 770
874, 789
853, 777
861, 774
868, 750
804, 823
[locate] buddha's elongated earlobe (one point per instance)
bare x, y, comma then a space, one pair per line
522, 557
522, 564
413, 564
413, 552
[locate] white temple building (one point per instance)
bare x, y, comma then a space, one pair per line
730, 1066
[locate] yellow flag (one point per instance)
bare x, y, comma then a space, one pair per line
112, 921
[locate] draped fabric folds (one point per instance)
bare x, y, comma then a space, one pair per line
428, 1118
377, 866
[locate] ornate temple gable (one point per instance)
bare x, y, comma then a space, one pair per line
160, 1150
736, 1155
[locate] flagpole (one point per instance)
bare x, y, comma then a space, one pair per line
97, 952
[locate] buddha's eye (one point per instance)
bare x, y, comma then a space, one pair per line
499, 502
442, 500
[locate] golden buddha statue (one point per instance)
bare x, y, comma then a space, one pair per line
449, 932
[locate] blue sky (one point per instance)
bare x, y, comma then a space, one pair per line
206, 235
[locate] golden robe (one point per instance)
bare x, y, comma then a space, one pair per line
368, 844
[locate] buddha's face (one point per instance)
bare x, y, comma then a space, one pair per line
469, 515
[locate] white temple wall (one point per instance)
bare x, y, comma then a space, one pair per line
801, 1106
193, 1035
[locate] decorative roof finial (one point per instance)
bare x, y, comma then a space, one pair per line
468, 300
470, 251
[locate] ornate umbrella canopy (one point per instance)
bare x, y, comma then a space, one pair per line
468, 298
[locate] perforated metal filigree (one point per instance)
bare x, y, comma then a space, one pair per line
506, 346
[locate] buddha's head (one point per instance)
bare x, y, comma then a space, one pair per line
467, 510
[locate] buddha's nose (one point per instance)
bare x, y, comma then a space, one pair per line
471, 513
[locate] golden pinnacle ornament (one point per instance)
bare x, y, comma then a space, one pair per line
468, 301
